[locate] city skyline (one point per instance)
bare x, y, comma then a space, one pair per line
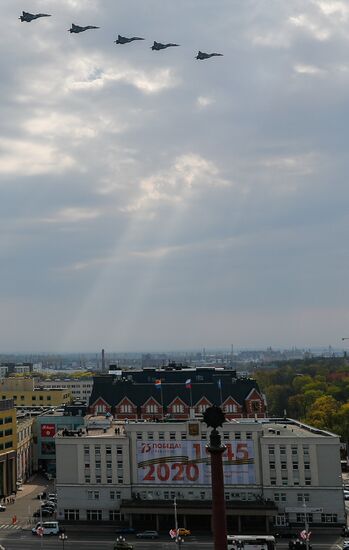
150, 199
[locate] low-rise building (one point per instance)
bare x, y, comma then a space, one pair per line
174, 391
8, 441
24, 447
46, 426
23, 393
131, 471
79, 389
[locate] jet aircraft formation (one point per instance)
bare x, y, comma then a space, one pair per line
76, 29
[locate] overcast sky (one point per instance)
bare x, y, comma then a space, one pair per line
152, 201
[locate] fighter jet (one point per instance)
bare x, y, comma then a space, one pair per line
124, 40
77, 29
28, 17
158, 46
203, 55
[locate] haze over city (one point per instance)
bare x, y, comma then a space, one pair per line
153, 201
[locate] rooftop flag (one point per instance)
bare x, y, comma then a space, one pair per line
158, 384
188, 384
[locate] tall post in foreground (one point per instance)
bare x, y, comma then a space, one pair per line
214, 417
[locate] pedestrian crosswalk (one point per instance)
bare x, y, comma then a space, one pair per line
10, 526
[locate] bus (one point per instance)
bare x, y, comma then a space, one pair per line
251, 542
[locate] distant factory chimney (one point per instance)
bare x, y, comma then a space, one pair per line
103, 361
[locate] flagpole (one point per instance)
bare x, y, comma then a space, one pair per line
220, 391
162, 401
191, 397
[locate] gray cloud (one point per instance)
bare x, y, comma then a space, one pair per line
152, 201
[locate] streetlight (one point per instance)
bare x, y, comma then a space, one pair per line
179, 541
63, 537
120, 541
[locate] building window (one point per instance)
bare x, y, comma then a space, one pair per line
98, 464
237, 435
329, 518
119, 450
283, 465
71, 514
255, 406
178, 408
97, 450
120, 479
271, 449
202, 408
112, 495
300, 518
114, 515
126, 408
303, 496
273, 481
98, 479
172, 435
226, 436
8, 445
109, 464
281, 520
280, 497
139, 435
306, 465
94, 515
86, 450
119, 464
294, 449
230, 408
150, 436
161, 436
152, 408
108, 450
272, 465
248, 435
282, 449
183, 436
8, 420
87, 479
109, 480
308, 481
92, 495
295, 465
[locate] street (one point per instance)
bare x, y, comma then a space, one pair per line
18, 536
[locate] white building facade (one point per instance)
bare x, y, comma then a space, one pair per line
80, 389
132, 471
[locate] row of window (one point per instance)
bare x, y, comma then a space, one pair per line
7, 445
41, 398
7, 432
295, 465
97, 450
294, 449
284, 481
108, 463
301, 497
94, 495
98, 479
6, 420
91, 515
174, 436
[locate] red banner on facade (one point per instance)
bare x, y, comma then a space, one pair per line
48, 430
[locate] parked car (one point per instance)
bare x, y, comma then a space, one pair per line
346, 495
47, 528
46, 513
148, 535
122, 545
2, 508
125, 531
183, 532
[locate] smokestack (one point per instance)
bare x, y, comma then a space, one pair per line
103, 361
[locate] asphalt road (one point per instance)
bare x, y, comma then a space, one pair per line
80, 540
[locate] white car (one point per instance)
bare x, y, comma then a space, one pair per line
346, 495
2, 508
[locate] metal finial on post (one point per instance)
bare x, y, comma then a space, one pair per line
214, 418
